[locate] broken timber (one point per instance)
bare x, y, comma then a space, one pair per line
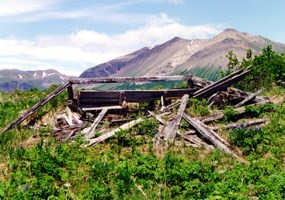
172, 127
113, 132
36, 107
221, 84
97, 120
212, 138
246, 124
195, 140
250, 97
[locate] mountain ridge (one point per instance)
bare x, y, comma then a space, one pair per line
12, 79
179, 55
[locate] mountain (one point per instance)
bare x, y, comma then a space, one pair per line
179, 56
12, 79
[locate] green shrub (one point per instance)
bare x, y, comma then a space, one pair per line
248, 138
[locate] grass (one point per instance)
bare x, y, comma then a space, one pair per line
37, 166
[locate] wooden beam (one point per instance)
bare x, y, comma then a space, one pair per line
172, 127
101, 108
164, 122
196, 140
113, 132
90, 132
36, 107
128, 79
250, 97
221, 84
236, 125
219, 114
212, 138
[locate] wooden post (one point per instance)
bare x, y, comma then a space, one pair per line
70, 92
190, 84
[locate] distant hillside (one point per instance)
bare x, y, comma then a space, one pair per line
177, 56
11, 79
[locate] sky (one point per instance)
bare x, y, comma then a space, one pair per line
74, 35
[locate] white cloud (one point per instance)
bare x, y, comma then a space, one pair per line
17, 7
77, 51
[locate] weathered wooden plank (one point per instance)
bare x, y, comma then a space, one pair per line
113, 132
112, 98
172, 127
164, 122
245, 94
219, 81
213, 139
196, 140
90, 132
219, 85
250, 97
36, 107
101, 108
128, 79
245, 124
220, 138
219, 114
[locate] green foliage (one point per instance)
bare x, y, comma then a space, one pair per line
125, 166
229, 114
248, 138
148, 127
198, 107
266, 68
260, 110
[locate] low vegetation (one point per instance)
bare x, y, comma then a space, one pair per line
34, 165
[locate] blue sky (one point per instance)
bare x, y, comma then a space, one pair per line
71, 35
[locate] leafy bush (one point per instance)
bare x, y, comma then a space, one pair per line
229, 114
248, 138
198, 107
266, 68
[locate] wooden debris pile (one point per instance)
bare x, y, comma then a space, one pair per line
92, 109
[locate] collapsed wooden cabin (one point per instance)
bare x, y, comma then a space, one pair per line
99, 103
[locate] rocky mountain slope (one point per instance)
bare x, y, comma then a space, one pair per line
183, 56
11, 79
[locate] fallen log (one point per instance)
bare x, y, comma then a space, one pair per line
105, 136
